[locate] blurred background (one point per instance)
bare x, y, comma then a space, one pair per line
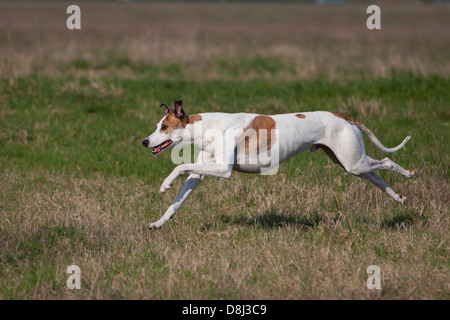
286, 40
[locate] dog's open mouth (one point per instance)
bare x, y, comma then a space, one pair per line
159, 148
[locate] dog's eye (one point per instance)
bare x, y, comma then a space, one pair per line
163, 127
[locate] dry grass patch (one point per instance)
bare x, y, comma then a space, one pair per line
286, 239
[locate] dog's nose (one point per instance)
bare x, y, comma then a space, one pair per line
145, 142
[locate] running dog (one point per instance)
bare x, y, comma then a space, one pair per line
240, 141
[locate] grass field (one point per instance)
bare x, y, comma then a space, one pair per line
76, 186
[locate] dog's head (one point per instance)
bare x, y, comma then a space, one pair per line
170, 130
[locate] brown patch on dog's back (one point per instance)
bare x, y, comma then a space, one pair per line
193, 118
357, 123
301, 116
251, 138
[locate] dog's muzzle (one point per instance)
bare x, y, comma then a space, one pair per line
145, 142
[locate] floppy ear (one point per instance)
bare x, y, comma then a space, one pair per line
179, 113
167, 109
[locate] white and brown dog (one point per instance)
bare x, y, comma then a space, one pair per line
255, 143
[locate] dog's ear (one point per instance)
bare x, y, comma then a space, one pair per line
167, 109
179, 112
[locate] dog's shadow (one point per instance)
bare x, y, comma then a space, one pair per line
404, 220
274, 220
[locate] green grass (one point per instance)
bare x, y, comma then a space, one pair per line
84, 135
81, 130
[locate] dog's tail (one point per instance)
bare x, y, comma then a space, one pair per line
372, 137
377, 142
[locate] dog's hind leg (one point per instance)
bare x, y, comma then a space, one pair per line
388, 164
379, 182
192, 181
372, 177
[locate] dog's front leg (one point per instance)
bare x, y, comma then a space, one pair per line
214, 170
170, 179
192, 181
220, 165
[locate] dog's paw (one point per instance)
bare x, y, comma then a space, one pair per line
414, 174
154, 226
164, 187
402, 199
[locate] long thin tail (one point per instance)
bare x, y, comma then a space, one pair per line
377, 142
